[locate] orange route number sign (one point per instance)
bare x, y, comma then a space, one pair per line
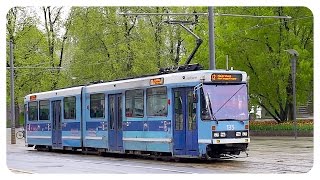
226, 77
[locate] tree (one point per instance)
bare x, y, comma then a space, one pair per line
28, 44
96, 43
52, 24
257, 46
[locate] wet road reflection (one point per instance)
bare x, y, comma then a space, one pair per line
274, 155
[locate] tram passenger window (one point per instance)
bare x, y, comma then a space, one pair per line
111, 112
33, 111
97, 105
191, 112
134, 103
178, 111
120, 113
69, 107
157, 103
44, 110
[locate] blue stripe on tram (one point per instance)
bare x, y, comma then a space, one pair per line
71, 126
97, 126
146, 125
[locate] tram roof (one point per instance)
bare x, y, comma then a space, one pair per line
172, 78
138, 82
55, 93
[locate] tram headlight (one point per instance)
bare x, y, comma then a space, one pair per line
238, 134
215, 134
244, 133
223, 134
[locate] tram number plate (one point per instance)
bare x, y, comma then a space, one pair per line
230, 127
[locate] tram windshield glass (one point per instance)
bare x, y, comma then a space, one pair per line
224, 102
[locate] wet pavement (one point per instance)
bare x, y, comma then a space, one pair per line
275, 155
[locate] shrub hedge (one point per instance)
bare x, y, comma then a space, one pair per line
302, 125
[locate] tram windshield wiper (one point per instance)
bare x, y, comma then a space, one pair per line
228, 100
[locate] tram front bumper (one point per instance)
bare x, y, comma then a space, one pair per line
224, 141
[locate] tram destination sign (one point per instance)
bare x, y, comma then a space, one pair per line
33, 97
156, 81
218, 77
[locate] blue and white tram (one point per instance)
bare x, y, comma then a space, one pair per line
200, 114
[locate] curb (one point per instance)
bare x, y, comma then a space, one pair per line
280, 133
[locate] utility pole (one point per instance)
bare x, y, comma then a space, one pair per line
13, 121
294, 54
211, 38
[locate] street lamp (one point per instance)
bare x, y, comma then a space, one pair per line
295, 55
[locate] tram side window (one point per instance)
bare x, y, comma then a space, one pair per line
97, 105
33, 111
134, 103
44, 110
204, 110
69, 107
157, 101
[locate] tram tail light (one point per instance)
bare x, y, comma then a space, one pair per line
246, 126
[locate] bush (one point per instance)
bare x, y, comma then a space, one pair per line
302, 125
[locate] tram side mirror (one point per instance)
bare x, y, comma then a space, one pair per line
195, 98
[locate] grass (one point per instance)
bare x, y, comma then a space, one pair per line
302, 125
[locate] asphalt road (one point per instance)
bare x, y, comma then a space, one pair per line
272, 155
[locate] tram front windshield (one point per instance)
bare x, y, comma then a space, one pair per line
225, 102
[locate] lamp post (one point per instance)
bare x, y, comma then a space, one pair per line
295, 55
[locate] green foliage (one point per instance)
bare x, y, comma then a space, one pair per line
258, 46
100, 44
302, 125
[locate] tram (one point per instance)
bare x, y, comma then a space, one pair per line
190, 114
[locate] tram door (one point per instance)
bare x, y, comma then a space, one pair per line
56, 124
185, 134
115, 122
25, 122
